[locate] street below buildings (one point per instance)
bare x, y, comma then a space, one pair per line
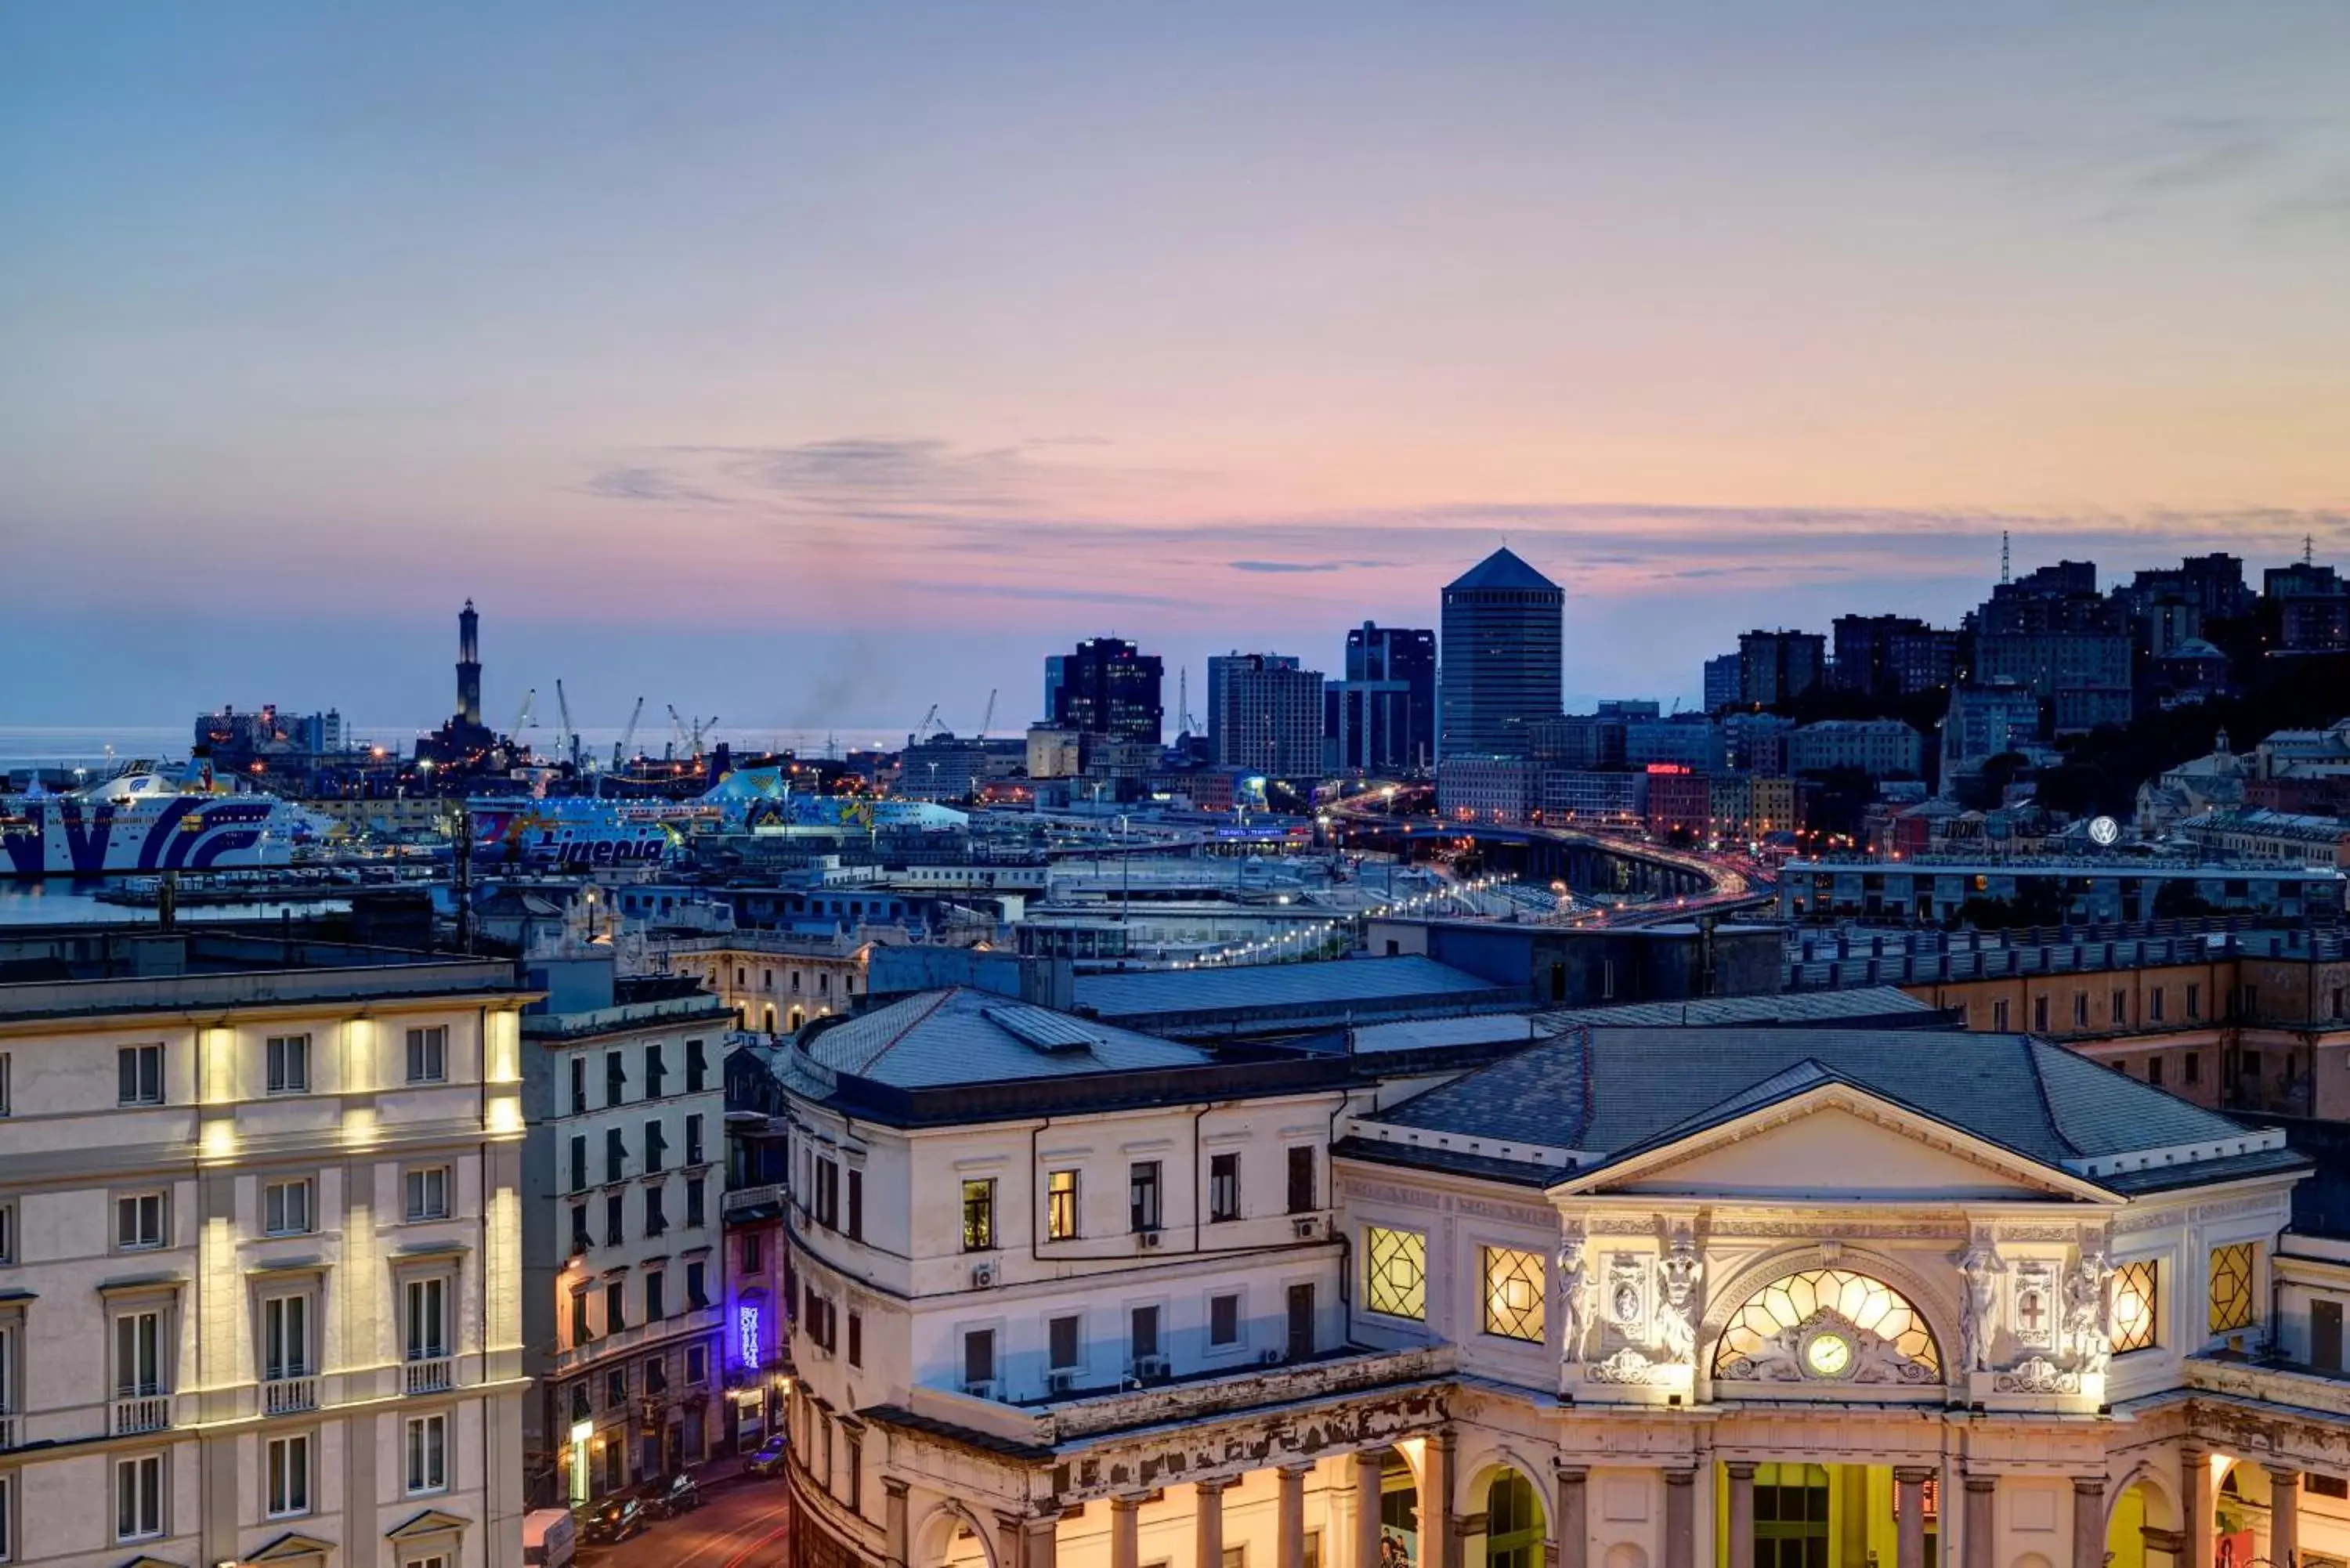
744, 1524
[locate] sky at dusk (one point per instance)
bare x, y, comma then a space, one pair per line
812, 364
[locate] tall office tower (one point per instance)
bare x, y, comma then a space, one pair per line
1777, 667
1108, 687
1504, 629
1721, 685
1403, 735
1053, 663
1271, 720
1219, 669
2051, 633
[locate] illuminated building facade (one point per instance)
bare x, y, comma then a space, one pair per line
260, 1227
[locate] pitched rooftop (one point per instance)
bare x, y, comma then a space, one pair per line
937, 1038
1502, 569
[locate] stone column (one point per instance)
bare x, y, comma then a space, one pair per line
1575, 1518
1742, 1513
1439, 1545
1010, 1528
893, 1521
2195, 1489
1125, 1539
1368, 1465
1910, 1515
2284, 1516
1982, 1520
2088, 1521
1040, 1542
1289, 1538
1680, 1519
1207, 1523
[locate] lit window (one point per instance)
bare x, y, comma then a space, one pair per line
2231, 1287
1831, 1301
1513, 1294
1060, 1205
2136, 1308
1397, 1265
978, 1216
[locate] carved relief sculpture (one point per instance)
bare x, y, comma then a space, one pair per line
2088, 1323
1681, 1270
1627, 1298
1978, 1320
2033, 1313
1578, 1294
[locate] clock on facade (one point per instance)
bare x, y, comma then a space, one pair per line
1827, 1354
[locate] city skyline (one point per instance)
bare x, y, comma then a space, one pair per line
812, 371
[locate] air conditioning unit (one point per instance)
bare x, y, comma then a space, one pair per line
1271, 1356
1308, 1226
1060, 1382
985, 1390
1150, 1369
982, 1276
1149, 1238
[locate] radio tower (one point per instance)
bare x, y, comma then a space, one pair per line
2003, 558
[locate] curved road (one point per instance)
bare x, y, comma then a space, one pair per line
743, 1523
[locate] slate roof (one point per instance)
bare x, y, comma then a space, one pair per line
1611, 1091
935, 1039
1502, 569
1792, 1007
1336, 983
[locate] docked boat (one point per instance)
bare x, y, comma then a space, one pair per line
150, 820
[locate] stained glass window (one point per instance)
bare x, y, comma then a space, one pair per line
2231, 1287
1868, 1304
1398, 1265
2135, 1307
1513, 1294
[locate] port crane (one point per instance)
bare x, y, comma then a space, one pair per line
690, 735
987, 720
567, 739
526, 716
620, 747
930, 721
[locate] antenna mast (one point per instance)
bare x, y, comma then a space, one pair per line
2003, 576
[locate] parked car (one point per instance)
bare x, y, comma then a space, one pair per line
666, 1496
767, 1459
615, 1518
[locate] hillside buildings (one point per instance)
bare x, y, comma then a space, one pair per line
1503, 625
2051, 633
260, 1252
1622, 1296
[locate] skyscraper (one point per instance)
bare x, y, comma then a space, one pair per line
1391, 656
1271, 717
1503, 624
1108, 687
1219, 670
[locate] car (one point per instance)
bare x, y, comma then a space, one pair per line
614, 1519
767, 1459
666, 1496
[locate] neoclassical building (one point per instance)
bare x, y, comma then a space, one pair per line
1624, 1298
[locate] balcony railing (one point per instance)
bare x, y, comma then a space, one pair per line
430, 1374
141, 1413
284, 1395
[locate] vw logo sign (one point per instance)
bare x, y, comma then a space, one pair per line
2105, 830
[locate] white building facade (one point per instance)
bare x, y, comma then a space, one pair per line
1793, 1298
259, 1255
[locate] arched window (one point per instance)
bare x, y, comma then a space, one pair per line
1828, 1325
1514, 1522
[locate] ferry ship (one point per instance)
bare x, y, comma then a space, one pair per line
146, 820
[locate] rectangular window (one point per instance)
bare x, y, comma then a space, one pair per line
1224, 1319
138, 1222
1142, 1195
753, 1253
1062, 1342
2194, 1001
1395, 1265
697, 1066
2232, 1269
857, 1205
978, 1216
616, 1153
428, 1056
2192, 1069
138, 1498
4, 1104
697, 1284
656, 1148
656, 1222
2323, 1486
1998, 1017
1060, 1205
2080, 1010
655, 1295
582, 1330
578, 1085
615, 1388
428, 1319
2120, 1008
693, 1149
827, 1194
616, 1307
616, 1078
1302, 1193
1142, 1334
1223, 1187
978, 1356
856, 1463
1513, 1294
583, 1240
2137, 1306
289, 1475
656, 1070
428, 1193
139, 1069
656, 1376
2154, 1005
139, 1356
7, 1250
287, 1209
578, 1162
856, 1339
697, 1363
288, 1064
696, 1201
2325, 1334
286, 1338
616, 1223
428, 1454
2154, 1071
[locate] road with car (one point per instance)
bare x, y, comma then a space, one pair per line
742, 1522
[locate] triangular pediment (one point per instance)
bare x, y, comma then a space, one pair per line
431, 1523
291, 1547
1830, 1143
